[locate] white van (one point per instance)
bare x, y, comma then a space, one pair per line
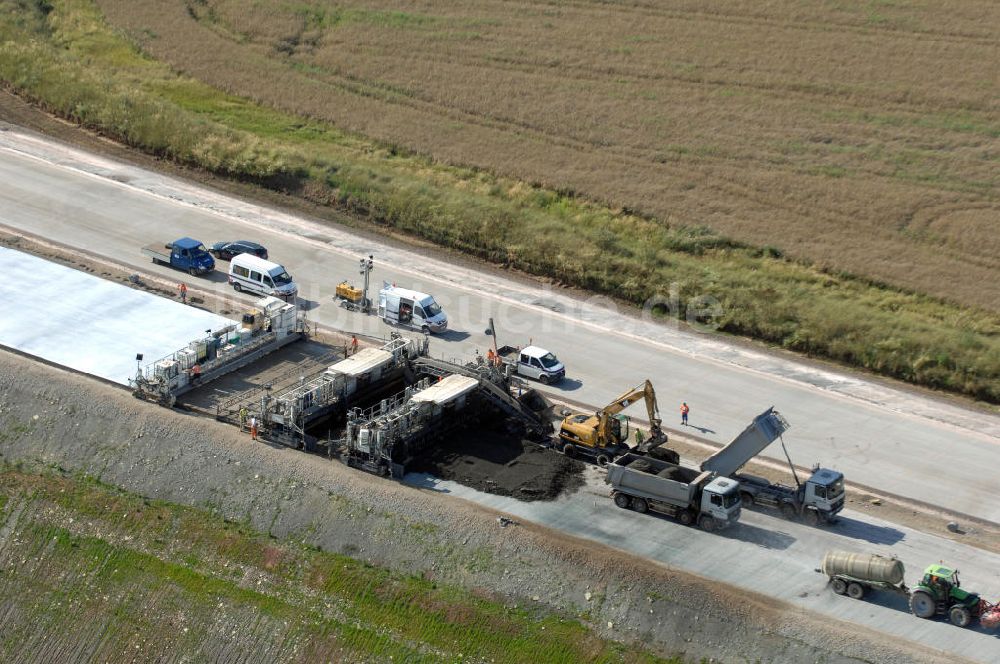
256, 275
401, 306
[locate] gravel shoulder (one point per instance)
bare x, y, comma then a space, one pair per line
58, 419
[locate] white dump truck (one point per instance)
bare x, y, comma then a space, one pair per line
817, 500
645, 483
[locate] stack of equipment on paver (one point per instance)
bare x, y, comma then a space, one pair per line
604, 435
819, 499
645, 483
938, 593
285, 416
529, 409
265, 328
384, 438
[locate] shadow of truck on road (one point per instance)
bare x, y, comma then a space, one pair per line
766, 539
869, 532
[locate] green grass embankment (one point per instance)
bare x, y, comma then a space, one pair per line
89, 569
62, 56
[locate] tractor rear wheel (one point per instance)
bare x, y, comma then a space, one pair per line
839, 586
855, 590
960, 616
622, 500
922, 604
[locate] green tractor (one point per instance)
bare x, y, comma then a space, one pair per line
939, 594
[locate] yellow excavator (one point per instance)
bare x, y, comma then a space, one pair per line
604, 435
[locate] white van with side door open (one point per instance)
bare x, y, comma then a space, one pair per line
256, 275
409, 308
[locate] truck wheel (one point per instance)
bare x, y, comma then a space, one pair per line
602, 460
746, 498
788, 511
622, 500
855, 590
960, 616
237, 287
569, 450
686, 517
811, 517
922, 604
640, 505
707, 523
839, 586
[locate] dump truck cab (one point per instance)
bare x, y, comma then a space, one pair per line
824, 491
720, 499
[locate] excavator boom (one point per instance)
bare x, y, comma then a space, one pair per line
645, 392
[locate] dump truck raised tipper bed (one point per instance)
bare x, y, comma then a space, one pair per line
938, 593
645, 483
817, 500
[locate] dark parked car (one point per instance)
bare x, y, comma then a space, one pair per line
226, 250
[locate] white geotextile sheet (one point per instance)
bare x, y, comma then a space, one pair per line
89, 324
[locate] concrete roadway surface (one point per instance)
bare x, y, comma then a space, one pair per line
774, 557
893, 440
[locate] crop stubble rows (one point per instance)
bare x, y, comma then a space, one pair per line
861, 138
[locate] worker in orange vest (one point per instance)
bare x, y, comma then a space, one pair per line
354, 344
195, 373
491, 357
684, 413
182, 287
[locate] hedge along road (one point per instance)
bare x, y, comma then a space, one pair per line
890, 439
